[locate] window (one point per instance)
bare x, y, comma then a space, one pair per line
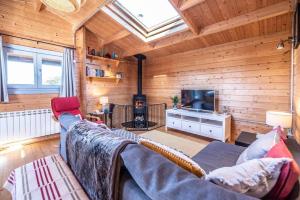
32, 70
147, 19
20, 69
51, 71
145, 11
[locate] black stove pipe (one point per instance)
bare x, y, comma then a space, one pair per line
140, 58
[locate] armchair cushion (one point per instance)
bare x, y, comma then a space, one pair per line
65, 105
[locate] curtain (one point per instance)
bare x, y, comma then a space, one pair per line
3, 79
68, 88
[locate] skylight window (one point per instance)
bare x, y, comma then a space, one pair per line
148, 19
150, 13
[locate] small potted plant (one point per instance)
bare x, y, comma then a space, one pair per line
175, 101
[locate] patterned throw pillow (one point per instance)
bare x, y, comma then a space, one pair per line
175, 156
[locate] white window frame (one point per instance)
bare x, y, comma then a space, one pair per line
124, 17
38, 55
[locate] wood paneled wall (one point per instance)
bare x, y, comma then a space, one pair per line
20, 18
250, 77
296, 106
92, 88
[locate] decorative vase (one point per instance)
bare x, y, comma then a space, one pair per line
175, 106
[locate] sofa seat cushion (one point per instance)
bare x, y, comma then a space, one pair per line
160, 178
218, 154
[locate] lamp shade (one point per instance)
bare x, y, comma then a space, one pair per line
276, 118
103, 100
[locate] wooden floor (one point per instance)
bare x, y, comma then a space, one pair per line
19, 155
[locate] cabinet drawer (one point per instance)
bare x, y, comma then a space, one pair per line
191, 126
212, 131
173, 122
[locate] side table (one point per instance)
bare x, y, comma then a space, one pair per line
245, 139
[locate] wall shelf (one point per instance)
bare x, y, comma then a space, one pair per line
102, 59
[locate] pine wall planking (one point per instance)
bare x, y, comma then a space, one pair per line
296, 106
91, 89
249, 76
19, 18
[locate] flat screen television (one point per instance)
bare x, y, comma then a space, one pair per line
198, 100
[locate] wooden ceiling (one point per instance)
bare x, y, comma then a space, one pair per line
210, 22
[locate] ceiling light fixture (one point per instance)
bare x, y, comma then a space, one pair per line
67, 6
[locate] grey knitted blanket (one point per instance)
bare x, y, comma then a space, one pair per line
93, 155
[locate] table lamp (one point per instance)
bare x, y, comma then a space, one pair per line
103, 101
277, 118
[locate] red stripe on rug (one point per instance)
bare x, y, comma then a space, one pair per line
47, 192
43, 196
50, 185
36, 175
37, 179
42, 180
10, 182
51, 178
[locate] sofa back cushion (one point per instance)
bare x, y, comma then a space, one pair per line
289, 172
175, 156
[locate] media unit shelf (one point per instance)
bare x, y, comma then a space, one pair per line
211, 125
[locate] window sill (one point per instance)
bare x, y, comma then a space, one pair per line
33, 91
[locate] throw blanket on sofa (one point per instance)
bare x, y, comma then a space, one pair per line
93, 155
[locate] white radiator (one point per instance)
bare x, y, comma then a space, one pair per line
20, 125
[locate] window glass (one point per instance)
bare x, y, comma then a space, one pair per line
150, 13
51, 72
20, 70
32, 70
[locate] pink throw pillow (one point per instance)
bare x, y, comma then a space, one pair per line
289, 172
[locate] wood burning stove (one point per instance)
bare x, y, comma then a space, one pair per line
139, 100
140, 115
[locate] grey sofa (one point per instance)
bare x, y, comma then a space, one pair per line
147, 175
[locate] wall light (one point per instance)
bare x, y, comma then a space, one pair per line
280, 44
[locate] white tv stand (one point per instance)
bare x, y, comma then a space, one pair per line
211, 125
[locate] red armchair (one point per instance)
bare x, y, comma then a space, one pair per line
67, 105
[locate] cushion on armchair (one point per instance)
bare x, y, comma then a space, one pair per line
65, 105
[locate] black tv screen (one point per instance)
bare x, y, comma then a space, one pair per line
198, 99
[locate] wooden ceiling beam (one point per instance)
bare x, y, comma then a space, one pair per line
118, 36
257, 15
89, 13
38, 5
189, 4
184, 15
